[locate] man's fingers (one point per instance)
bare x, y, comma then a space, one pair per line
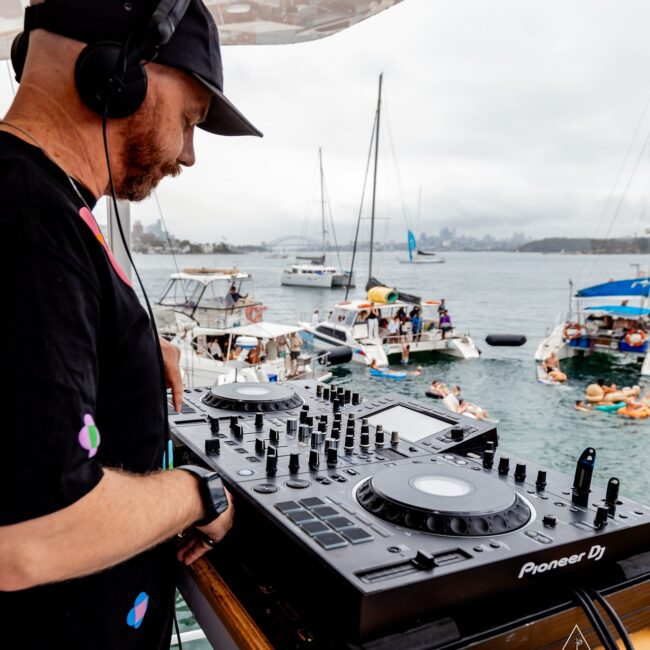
175, 382
193, 551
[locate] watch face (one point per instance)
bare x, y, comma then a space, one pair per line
217, 494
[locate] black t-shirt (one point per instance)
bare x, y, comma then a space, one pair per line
82, 390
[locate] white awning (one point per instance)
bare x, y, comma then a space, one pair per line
255, 22
264, 330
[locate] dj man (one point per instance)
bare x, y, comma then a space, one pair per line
86, 512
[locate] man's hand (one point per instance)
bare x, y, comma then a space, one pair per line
171, 360
195, 544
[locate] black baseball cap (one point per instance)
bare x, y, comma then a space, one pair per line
193, 48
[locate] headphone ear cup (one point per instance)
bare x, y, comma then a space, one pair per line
100, 85
19, 53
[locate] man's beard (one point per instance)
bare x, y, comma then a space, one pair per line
142, 159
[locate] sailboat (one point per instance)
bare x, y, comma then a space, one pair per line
315, 273
417, 256
347, 323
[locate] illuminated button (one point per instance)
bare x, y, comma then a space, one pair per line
245, 472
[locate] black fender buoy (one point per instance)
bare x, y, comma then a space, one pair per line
505, 340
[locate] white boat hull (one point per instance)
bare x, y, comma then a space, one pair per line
307, 280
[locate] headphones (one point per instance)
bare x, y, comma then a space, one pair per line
110, 76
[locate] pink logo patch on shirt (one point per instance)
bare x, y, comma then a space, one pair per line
89, 437
88, 218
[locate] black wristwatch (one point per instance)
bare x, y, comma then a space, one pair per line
212, 493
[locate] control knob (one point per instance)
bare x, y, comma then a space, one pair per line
600, 520
349, 442
292, 426
271, 461
274, 436
379, 436
520, 472
488, 458
457, 434
260, 445
365, 440
332, 457
394, 438
549, 521
259, 420
214, 425
504, 465
294, 462
314, 459
540, 483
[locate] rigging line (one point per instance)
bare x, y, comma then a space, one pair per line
363, 193
620, 173
169, 241
329, 210
400, 189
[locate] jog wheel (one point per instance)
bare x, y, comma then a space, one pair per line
445, 500
252, 397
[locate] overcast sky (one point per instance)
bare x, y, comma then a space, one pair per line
510, 115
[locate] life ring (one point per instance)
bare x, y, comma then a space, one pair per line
364, 305
432, 302
254, 313
571, 331
636, 338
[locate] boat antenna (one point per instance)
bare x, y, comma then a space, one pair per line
363, 194
329, 212
374, 182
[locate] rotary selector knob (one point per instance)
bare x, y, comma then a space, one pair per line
349, 442
335, 433
457, 434
504, 465
380, 439
336, 405
319, 390
303, 432
540, 483
322, 426
550, 521
394, 438
326, 394
365, 440
294, 462
317, 439
611, 496
337, 417
356, 398
292, 426
600, 520
520, 472
314, 458
347, 396
260, 446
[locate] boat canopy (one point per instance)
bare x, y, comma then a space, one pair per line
631, 287
263, 330
620, 310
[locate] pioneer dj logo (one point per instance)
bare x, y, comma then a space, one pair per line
595, 553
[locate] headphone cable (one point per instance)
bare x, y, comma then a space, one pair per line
595, 619
614, 617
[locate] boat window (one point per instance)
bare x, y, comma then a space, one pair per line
350, 318
330, 331
182, 293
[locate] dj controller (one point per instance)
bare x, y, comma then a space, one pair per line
377, 513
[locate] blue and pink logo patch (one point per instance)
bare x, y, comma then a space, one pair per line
136, 614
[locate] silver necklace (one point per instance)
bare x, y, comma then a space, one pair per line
42, 148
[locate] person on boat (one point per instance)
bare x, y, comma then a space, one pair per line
441, 307
373, 322
87, 515
315, 318
444, 323
383, 328
295, 347
394, 326
234, 297
416, 323
215, 349
582, 406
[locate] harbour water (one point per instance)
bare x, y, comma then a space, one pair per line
485, 293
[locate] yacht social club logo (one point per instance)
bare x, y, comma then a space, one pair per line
89, 437
136, 614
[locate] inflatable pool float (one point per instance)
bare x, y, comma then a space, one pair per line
433, 394
391, 374
610, 408
636, 414
543, 378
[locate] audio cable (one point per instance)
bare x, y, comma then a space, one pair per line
614, 617
595, 619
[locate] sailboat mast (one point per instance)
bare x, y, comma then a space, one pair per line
374, 181
322, 198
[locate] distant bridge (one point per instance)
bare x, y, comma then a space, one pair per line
295, 243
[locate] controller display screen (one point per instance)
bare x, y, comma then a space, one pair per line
411, 425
